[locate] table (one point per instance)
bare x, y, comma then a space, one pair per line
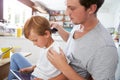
5, 63
4, 68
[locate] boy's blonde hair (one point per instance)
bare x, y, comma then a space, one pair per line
37, 23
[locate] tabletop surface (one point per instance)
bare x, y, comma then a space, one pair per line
7, 60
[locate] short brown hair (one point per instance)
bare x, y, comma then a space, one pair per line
37, 23
88, 3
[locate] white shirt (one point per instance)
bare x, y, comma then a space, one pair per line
44, 69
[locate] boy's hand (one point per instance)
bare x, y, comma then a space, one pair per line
27, 70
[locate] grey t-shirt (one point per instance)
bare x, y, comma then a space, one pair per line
93, 54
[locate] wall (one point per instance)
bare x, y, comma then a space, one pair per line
107, 13
106, 19
117, 17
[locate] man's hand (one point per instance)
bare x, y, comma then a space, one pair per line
57, 59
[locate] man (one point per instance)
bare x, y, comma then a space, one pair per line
90, 48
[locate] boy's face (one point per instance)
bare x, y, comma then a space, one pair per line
38, 40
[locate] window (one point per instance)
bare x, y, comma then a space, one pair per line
15, 12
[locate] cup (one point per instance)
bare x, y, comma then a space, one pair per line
6, 51
19, 32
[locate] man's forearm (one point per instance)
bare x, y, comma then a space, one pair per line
63, 33
59, 77
70, 73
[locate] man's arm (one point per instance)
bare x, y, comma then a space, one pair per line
59, 77
63, 33
60, 62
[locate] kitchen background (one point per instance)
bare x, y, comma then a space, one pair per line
16, 13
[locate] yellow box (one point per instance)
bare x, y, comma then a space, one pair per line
7, 52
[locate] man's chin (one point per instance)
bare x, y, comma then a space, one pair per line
74, 22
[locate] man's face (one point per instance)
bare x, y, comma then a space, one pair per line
77, 13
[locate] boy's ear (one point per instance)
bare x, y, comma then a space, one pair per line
47, 33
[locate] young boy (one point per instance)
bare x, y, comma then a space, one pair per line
37, 29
